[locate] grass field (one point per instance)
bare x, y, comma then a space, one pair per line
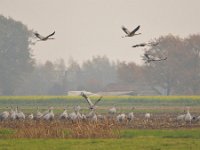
121, 101
133, 139
150, 143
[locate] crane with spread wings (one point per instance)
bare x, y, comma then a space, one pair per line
91, 105
148, 58
44, 38
132, 33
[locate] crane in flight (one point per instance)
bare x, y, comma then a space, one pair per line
145, 44
148, 58
132, 33
140, 45
91, 105
44, 38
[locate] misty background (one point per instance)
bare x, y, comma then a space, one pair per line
89, 53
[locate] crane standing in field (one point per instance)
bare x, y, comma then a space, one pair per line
13, 113
49, 115
147, 116
73, 116
20, 115
64, 115
130, 115
112, 111
38, 114
188, 117
4, 115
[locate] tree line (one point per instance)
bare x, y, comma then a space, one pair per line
21, 75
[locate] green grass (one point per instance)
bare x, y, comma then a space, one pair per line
4, 133
157, 98
170, 133
147, 143
183, 139
44, 101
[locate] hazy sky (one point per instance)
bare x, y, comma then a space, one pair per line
86, 28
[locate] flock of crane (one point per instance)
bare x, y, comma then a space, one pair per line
17, 114
147, 56
76, 115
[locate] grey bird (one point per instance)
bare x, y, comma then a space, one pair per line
132, 33
150, 58
4, 115
44, 38
91, 105
139, 45
145, 44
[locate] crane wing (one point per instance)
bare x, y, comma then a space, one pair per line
139, 45
134, 46
147, 56
98, 100
160, 59
154, 43
125, 30
39, 36
50, 35
135, 30
87, 98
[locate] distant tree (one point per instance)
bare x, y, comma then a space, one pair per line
179, 74
164, 74
74, 75
98, 72
60, 69
15, 54
40, 81
45, 79
191, 81
129, 72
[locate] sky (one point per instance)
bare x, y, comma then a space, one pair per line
87, 28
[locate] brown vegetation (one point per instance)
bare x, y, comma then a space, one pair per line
84, 129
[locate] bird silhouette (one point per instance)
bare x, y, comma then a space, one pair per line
146, 44
132, 33
44, 38
139, 45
